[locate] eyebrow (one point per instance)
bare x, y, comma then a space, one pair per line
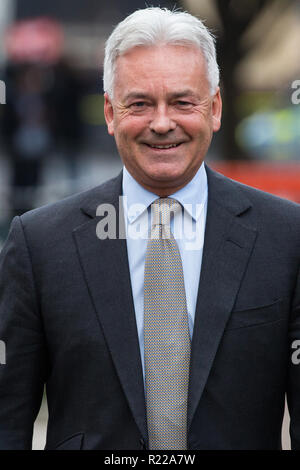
182, 93
176, 95
136, 95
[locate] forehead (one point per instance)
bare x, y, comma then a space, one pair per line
155, 67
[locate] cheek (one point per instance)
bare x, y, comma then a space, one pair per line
130, 129
193, 124
201, 132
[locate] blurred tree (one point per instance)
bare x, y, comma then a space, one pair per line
234, 19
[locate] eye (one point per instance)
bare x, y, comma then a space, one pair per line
138, 105
183, 104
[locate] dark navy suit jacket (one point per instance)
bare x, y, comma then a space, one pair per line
67, 318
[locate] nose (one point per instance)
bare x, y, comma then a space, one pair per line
161, 122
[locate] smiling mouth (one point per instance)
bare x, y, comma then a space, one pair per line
163, 147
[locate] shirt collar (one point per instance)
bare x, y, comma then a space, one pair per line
191, 196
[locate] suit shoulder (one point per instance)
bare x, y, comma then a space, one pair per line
271, 203
68, 212
278, 214
261, 198
260, 209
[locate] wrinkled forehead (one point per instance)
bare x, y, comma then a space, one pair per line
176, 66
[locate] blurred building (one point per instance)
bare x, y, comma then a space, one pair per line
274, 59
260, 123
258, 47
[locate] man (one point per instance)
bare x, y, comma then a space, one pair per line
137, 350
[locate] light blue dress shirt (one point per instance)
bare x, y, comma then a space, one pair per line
188, 228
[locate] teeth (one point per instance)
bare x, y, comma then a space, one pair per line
163, 146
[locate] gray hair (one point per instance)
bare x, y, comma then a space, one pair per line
152, 26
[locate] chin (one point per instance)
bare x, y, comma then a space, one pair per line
166, 173
163, 182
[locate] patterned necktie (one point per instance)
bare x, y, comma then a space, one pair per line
166, 334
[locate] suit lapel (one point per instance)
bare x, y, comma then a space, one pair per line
106, 270
227, 247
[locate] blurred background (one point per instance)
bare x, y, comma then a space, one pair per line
53, 139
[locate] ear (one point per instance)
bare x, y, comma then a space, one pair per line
217, 110
109, 114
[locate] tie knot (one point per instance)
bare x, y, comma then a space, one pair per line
163, 209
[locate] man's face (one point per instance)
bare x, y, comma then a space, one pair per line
162, 115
